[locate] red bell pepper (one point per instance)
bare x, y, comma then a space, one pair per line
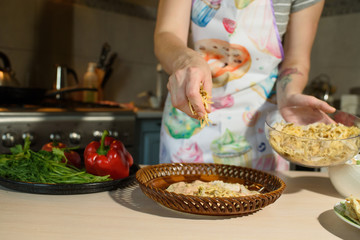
116, 144
49, 146
73, 158
104, 158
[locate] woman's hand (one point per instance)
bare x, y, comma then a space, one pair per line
315, 110
187, 69
307, 101
184, 84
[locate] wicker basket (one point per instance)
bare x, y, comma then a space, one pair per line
153, 181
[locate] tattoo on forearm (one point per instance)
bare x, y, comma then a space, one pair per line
285, 76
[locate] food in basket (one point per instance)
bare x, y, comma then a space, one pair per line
155, 179
352, 209
316, 144
215, 188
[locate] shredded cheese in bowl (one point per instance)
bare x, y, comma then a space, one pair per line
316, 144
334, 131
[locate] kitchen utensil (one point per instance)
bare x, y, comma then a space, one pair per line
108, 70
21, 95
10, 90
62, 74
321, 88
154, 179
310, 152
103, 55
346, 178
100, 69
56, 92
7, 76
62, 81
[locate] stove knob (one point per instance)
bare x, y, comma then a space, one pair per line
29, 135
97, 135
8, 139
125, 135
114, 134
55, 137
75, 138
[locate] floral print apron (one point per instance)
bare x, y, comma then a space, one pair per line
240, 41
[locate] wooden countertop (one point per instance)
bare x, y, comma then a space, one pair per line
304, 211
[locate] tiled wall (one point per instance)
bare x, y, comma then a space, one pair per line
36, 34
336, 51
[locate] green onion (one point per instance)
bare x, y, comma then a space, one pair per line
26, 165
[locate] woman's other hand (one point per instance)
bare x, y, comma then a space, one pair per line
308, 101
310, 109
294, 70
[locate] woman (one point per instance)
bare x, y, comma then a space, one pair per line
238, 49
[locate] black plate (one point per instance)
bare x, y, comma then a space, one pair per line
64, 189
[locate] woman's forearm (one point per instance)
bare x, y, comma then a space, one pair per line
171, 51
171, 33
299, 38
292, 79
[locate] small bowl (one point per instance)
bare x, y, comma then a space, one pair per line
346, 179
310, 152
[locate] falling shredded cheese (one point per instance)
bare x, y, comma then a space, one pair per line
206, 101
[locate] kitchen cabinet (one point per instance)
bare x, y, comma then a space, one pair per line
148, 142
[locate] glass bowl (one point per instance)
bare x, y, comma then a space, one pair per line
321, 149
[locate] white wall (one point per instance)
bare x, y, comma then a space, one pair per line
36, 34
336, 51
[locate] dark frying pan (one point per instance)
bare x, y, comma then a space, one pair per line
11, 93
21, 95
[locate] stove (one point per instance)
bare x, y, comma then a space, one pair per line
76, 126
